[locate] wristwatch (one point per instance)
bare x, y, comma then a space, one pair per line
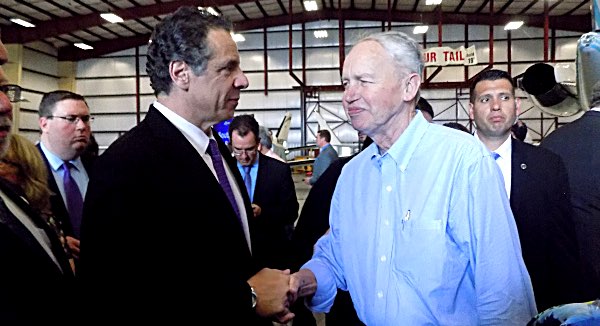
254, 297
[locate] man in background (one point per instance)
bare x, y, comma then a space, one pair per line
404, 256
65, 122
537, 186
578, 144
165, 235
37, 280
327, 154
271, 190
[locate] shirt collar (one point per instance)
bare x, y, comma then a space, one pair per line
194, 135
406, 145
56, 162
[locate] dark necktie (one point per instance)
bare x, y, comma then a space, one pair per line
213, 150
495, 155
248, 180
74, 198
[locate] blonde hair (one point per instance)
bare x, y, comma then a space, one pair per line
32, 175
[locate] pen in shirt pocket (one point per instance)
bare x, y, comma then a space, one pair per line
406, 218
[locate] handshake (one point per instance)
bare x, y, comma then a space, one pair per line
277, 290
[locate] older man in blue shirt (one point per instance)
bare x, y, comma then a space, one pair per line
451, 257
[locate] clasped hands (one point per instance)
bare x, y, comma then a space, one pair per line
277, 290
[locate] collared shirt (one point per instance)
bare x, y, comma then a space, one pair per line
253, 175
504, 162
424, 235
78, 173
199, 140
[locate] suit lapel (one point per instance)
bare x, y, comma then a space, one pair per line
519, 174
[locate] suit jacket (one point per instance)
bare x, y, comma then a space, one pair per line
158, 230
540, 202
33, 290
272, 229
56, 201
322, 162
578, 144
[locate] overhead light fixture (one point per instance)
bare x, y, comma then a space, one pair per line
513, 25
21, 22
432, 2
320, 33
210, 10
83, 46
238, 37
112, 18
311, 5
420, 29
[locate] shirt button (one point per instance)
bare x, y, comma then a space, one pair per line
383, 258
380, 294
388, 188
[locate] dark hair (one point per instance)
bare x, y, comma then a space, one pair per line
49, 100
181, 36
458, 126
324, 133
492, 74
423, 105
244, 124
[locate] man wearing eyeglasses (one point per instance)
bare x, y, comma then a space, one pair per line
36, 276
271, 190
65, 122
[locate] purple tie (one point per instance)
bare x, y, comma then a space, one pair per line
213, 150
74, 198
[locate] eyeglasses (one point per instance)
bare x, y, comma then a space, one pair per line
12, 91
247, 151
73, 119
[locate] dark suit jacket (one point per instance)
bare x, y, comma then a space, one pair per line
540, 202
276, 195
33, 290
160, 241
578, 144
56, 201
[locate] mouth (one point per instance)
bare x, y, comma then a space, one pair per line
353, 111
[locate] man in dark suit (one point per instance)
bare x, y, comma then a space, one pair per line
65, 122
537, 185
165, 234
271, 189
578, 144
36, 276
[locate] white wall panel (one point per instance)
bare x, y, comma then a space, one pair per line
38, 82
29, 120
106, 67
322, 58
40, 62
528, 50
113, 86
252, 60
111, 104
113, 123
323, 77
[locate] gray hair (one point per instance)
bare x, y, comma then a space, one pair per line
404, 49
265, 137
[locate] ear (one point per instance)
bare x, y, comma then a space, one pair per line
180, 74
411, 86
43, 122
518, 105
471, 115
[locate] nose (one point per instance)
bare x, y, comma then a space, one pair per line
350, 94
495, 104
241, 81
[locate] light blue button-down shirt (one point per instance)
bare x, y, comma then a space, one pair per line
253, 175
424, 235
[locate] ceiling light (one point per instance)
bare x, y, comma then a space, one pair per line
432, 2
513, 25
112, 18
420, 29
22, 22
210, 10
83, 46
321, 33
311, 5
238, 37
